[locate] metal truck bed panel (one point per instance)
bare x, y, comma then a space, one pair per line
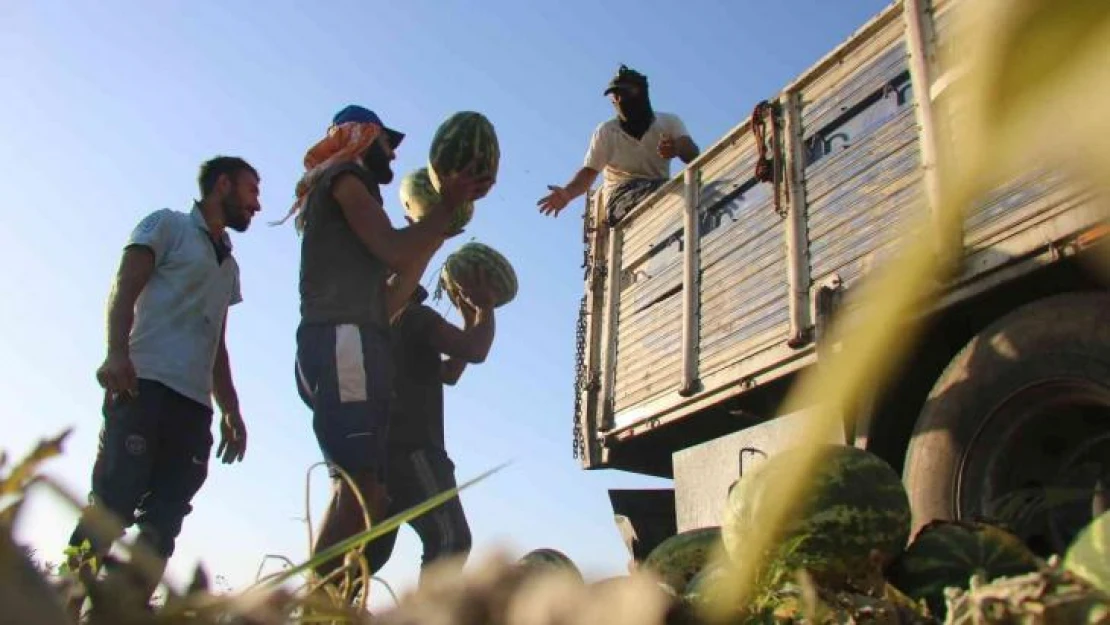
652, 227
648, 353
870, 186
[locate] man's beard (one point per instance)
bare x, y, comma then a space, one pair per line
236, 216
376, 162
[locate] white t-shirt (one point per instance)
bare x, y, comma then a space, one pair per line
621, 158
179, 316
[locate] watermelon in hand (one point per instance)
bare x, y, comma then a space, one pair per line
419, 196
464, 140
461, 265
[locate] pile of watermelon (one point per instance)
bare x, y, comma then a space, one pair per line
847, 556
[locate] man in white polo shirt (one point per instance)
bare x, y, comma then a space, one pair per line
166, 358
633, 149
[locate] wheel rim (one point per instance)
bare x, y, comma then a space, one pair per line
1036, 459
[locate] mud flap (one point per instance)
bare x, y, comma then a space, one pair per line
644, 518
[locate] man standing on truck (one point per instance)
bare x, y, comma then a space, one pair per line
633, 149
419, 466
348, 250
167, 356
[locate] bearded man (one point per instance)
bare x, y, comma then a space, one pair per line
166, 357
633, 149
357, 272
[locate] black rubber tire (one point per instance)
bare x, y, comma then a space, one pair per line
1061, 337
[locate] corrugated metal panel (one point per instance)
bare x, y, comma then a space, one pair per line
864, 195
743, 262
863, 171
654, 224
649, 329
648, 353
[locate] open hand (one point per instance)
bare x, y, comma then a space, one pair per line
233, 438
555, 201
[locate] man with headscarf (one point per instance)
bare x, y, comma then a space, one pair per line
633, 149
357, 271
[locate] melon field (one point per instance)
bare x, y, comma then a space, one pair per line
845, 557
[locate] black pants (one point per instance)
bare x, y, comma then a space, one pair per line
413, 477
151, 460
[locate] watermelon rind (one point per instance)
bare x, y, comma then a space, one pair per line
546, 558
854, 518
947, 553
472, 254
463, 139
418, 195
679, 558
1088, 556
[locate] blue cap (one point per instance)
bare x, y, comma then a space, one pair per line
362, 115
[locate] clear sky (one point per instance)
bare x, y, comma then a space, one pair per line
109, 108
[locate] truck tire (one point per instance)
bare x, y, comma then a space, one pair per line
1022, 411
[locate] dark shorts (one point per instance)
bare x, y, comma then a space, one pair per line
151, 459
343, 375
414, 476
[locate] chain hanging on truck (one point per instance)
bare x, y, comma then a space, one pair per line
578, 436
768, 164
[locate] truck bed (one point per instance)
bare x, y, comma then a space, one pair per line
669, 330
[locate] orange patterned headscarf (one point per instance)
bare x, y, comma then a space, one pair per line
344, 143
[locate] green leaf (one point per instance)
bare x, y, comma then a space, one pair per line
358, 540
1089, 556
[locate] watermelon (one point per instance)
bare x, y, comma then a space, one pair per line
419, 195
679, 558
855, 518
546, 558
947, 553
463, 139
462, 263
1088, 556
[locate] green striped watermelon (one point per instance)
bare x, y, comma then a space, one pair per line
419, 195
545, 558
1088, 556
947, 553
679, 558
854, 520
467, 258
465, 138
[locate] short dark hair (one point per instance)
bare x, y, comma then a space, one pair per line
212, 169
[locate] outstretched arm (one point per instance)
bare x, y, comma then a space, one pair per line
557, 200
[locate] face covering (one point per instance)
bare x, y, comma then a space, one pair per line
634, 112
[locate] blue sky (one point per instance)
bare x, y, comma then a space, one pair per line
109, 108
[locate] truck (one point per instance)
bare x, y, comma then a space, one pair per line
707, 301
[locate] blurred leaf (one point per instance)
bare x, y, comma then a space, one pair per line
1089, 556
14, 482
1040, 85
